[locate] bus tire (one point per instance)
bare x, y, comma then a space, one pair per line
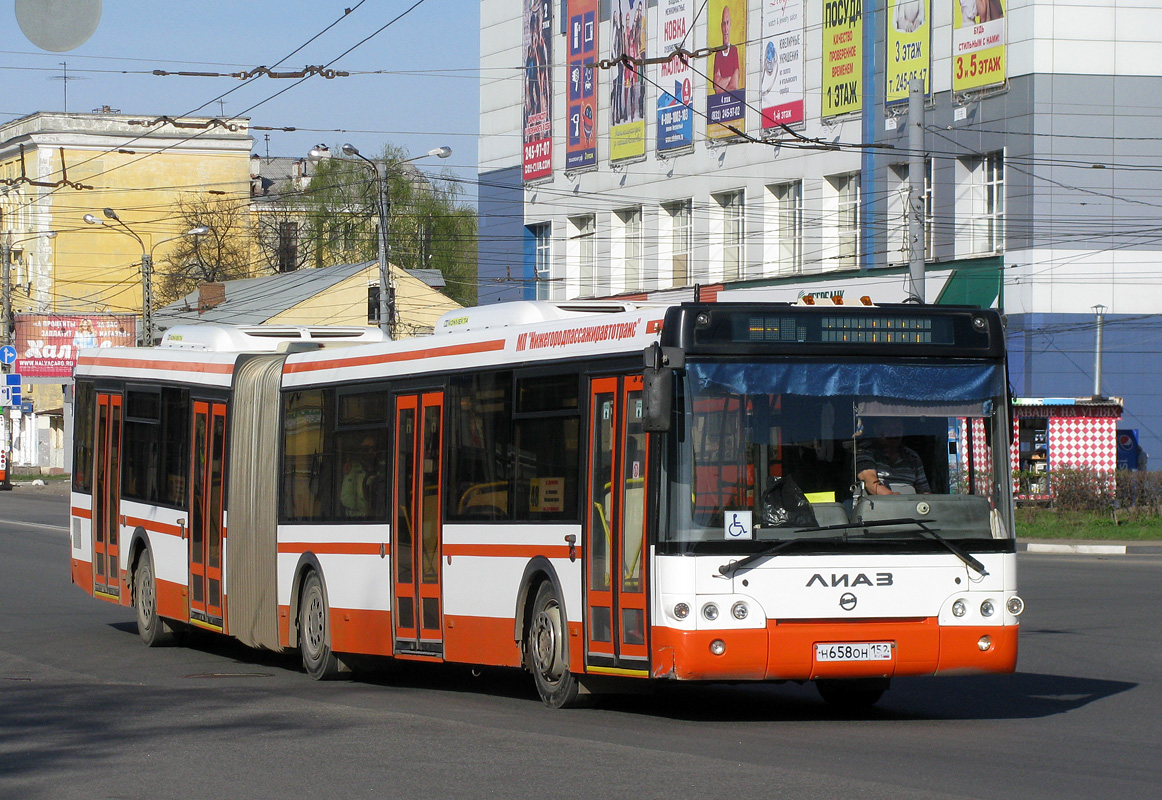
152, 629
852, 693
314, 631
548, 652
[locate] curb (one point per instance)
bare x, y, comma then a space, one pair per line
1118, 549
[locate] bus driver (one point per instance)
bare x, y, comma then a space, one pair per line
887, 466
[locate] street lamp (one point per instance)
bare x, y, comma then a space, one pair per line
383, 209
6, 262
146, 266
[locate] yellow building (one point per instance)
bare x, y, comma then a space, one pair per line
346, 294
56, 168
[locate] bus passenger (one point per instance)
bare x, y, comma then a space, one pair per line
889, 467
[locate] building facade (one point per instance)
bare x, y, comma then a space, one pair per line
778, 165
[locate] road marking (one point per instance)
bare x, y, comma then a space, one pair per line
1088, 549
37, 525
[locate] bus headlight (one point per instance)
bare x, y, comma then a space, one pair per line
958, 608
987, 609
718, 647
739, 610
984, 644
710, 611
1015, 605
681, 611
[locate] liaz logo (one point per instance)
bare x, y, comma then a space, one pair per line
881, 579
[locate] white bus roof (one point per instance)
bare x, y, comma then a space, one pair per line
525, 312
262, 338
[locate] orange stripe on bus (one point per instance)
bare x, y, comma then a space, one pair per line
83, 513
336, 548
152, 526
388, 358
508, 550
156, 364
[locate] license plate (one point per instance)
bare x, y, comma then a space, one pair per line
854, 651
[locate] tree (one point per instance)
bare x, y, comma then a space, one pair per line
429, 228
222, 254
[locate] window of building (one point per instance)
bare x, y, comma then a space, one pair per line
847, 220
288, 246
583, 253
630, 247
542, 241
727, 235
981, 204
787, 227
678, 216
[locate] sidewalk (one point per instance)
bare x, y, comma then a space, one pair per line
1089, 547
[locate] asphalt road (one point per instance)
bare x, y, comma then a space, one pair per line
87, 711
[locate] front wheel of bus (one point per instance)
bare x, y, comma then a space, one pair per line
852, 693
547, 651
314, 634
152, 629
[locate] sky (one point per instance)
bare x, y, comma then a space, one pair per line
413, 84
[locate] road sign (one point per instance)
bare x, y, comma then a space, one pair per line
10, 391
7, 355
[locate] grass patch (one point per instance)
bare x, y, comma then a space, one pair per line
1046, 523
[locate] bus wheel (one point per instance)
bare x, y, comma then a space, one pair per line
314, 635
152, 629
547, 652
852, 693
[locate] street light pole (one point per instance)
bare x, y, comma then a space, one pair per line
387, 307
146, 267
6, 263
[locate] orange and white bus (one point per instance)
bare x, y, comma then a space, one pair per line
596, 493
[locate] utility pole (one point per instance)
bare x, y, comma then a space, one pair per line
1099, 325
916, 252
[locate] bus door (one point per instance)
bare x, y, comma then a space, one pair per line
615, 551
107, 496
416, 532
208, 454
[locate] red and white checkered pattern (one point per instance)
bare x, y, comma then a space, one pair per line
1089, 442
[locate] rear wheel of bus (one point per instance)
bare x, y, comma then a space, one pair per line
548, 653
152, 629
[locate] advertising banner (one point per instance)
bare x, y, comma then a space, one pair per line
909, 48
537, 155
47, 344
978, 44
627, 95
726, 89
581, 145
781, 86
842, 57
675, 21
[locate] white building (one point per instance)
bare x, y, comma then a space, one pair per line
1040, 137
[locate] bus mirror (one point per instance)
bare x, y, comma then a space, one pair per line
658, 386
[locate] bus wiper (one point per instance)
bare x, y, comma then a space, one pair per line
726, 570
923, 526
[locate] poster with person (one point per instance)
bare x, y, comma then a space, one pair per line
909, 49
726, 89
537, 130
627, 94
978, 44
47, 344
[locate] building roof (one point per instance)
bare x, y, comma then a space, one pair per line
252, 301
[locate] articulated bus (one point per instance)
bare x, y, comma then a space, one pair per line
599, 494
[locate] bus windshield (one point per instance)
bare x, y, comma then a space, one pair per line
772, 451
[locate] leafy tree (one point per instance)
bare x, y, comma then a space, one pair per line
428, 227
222, 254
